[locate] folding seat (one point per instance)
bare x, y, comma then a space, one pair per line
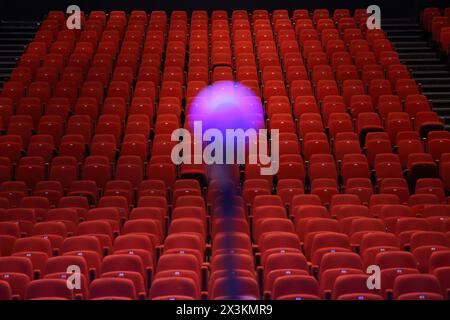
54, 231
354, 287
338, 121
334, 260
324, 242
358, 227
345, 146
274, 88
148, 227
126, 266
247, 289
122, 289
177, 261
87, 106
162, 171
135, 145
64, 170
397, 72
138, 125
49, 289
109, 124
394, 264
21, 125
81, 60
431, 186
179, 288
92, 89
424, 243
387, 104
345, 213
31, 170
79, 203
186, 244
9, 232
324, 188
343, 199
378, 87
30, 106
354, 166
309, 122
377, 143
405, 227
374, 72
295, 287
346, 72
418, 202
312, 51
97, 169
274, 241
104, 145
291, 166
361, 187
333, 46
101, 230
328, 35
73, 145
67, 89
363, 57
152, 188
28, 60
11, 146
351, 34
406, 87
70, 76
322, 166
368, 122
84, 188
130, 168
237, 241
40, 205
14, 191
38, 250
387, 58
437, 143
387, 165
427, 121
326, 88
396, 186
417, 287
322, 72
80, 124
309, 227
52, 125
421, 165
381, 45
397, 122
438, 210
315, 143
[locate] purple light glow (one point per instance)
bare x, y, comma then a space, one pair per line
227, 105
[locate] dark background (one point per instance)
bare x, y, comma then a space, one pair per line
36, 9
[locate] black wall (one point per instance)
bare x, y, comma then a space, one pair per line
36, 9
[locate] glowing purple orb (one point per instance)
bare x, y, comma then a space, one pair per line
227, 105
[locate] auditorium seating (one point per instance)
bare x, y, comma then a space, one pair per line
86, 176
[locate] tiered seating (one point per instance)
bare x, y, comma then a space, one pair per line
87, 178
